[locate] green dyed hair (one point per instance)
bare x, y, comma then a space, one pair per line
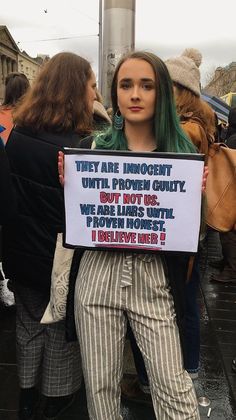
169, 135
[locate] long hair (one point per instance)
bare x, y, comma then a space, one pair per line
189, 104
16, 85
167, 131
57, 101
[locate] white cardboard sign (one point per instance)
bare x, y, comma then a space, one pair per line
135, 201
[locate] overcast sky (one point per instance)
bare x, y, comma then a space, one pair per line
163, 27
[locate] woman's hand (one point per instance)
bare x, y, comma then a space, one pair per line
60, 164
204, 178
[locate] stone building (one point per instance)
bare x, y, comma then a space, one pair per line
223, 81
28, 65
8, 56
12, 59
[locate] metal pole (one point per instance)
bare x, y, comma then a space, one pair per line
118, 39
100, 66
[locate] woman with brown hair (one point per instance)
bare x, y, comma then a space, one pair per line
55, 113
197, 119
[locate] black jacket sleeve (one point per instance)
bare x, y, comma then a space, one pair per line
70, 316
8, 200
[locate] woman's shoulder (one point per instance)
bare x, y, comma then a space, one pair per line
194, 129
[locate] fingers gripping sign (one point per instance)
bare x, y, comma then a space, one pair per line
204, 178
60, 163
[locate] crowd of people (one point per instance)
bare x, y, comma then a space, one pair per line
156, 107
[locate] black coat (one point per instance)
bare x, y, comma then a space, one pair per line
29, 240
7, 196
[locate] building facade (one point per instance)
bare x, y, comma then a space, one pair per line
28, 65
223, 81
12, 59
8, 56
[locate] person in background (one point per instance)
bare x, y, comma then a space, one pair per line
16, 85
198, 122
196, 116
227, 265
228, 239
114, 286
231, 130
222, 131
197, 119
8, 201
55, 113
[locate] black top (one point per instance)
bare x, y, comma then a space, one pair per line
30, 239
8, 201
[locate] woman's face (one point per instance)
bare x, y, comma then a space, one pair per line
136, 91
91, 91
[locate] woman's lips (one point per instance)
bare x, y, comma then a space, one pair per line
135, 108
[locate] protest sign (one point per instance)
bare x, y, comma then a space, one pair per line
135, 201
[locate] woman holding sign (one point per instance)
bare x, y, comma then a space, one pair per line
148, 289
198, 122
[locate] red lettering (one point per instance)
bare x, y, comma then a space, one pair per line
154, 238
162, 236
132, 198
150, 200
109, 197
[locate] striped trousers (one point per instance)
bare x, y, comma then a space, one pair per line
109, 287
43, 355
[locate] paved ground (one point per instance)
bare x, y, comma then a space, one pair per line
218, 346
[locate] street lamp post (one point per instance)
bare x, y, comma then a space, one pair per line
116, 38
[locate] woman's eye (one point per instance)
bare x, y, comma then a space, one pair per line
125, 85
148, 86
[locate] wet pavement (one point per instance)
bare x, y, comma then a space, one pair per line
218, 345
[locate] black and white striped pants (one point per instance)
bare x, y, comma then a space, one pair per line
110, 285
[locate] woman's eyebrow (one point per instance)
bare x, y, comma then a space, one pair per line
147, 79
125, 79
143, 79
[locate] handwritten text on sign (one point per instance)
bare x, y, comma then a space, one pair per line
133, 201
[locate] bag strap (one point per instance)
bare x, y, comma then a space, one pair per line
215, 148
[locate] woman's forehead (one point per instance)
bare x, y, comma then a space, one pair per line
135, 68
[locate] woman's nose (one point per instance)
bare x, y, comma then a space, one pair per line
135, 93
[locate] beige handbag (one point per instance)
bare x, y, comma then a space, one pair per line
56, 309
221, 188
